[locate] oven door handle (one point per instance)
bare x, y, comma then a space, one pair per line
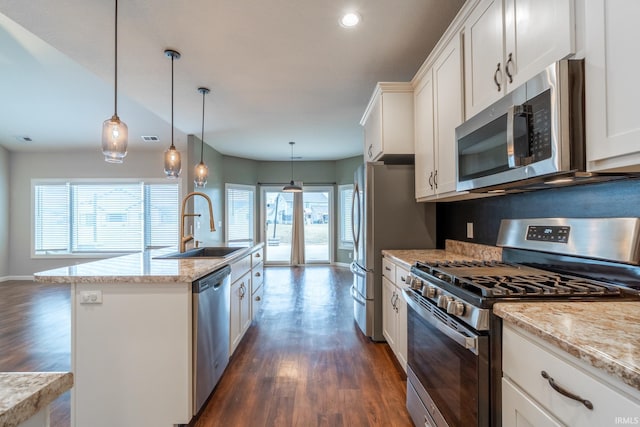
468, 342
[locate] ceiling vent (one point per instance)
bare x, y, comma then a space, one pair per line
24, 138
150, 138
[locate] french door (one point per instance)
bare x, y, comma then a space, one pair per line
277, 211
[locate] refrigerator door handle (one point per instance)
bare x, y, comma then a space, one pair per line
355, 229
358, 270
357, 296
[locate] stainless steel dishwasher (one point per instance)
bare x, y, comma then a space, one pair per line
211, 305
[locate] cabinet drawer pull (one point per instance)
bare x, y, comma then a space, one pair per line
506, 68
370, 151
387, 268
431, 180
495, 77
435, 179
564, 392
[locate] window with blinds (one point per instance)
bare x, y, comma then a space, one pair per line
104, 217
344, 215
240, 203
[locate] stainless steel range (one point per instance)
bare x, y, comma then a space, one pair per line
454, 340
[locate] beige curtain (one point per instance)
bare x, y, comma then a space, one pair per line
297, 231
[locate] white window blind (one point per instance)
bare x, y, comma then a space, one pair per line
77, 218
240, 212
344, 205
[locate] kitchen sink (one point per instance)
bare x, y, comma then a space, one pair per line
206, 252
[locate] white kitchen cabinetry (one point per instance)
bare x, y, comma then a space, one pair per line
438, 111
394, 309
240, 313
528, 398
388, 122
509, 41
257, 279
611, 67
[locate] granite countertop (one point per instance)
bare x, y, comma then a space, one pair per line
23, 394
454, 251
142, 267
605, 335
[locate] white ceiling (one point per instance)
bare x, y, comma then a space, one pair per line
278, 70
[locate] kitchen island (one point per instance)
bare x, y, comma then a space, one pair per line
131, 335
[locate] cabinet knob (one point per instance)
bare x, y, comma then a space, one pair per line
258, 298
495, 77
258, 274
258, 255
506, 68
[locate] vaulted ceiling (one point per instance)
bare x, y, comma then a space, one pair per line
278, 70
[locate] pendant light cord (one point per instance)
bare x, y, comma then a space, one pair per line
202, 134
291, 161
115, 92
172, 58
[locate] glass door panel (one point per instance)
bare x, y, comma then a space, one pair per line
277, 208
317, 224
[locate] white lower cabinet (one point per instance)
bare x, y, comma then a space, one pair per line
394, 310
240, 310
535, 376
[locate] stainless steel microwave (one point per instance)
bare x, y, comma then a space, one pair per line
535, 132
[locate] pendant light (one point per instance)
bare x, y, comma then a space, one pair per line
115, 134
291, 187
202, 171
172, 164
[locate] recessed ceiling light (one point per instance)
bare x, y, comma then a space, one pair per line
350, 20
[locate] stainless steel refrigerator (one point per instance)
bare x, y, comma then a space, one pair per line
384, 215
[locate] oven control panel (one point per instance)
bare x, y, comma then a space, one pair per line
548, 233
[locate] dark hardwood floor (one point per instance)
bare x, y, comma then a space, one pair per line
303, 363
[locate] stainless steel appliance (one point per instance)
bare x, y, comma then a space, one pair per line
534, 133
384, 215
454, 340
211, 306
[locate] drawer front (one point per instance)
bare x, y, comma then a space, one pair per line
240, 267
388, 269
402, 275
523, 360
256, 302
257, 257
257, 277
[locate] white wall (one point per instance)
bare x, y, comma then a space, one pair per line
24, 166
4, 213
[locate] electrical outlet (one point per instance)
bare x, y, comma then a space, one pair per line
349, 255
469, 230
90, 297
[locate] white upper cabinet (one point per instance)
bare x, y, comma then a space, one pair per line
424, 139
388, 122
611, 68
438, 101
509, 41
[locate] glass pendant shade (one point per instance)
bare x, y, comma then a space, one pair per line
115, 135
202, 173
172, 163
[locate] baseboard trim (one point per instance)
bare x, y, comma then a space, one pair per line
7, 278
341, 264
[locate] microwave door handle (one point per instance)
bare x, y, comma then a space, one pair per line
511, 153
